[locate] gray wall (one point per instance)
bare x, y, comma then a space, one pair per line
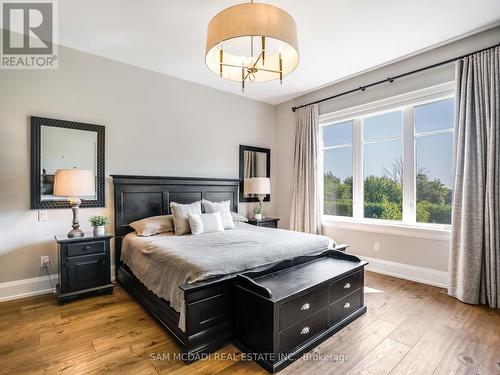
418, 252
155, 125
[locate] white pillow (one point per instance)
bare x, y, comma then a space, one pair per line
180, 214
224, 208
205, 223
150, 226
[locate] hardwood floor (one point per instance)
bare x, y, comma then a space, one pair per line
409, 328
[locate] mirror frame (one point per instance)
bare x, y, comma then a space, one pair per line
266, 151
36, 195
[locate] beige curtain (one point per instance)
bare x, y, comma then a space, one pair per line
475, 242
305, 214
249, 168
249, 164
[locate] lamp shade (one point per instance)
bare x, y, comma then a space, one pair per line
230, 36
74, 183
257, 185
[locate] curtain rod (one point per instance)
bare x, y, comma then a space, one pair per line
391, 79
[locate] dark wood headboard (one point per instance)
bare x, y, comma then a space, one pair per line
137, 197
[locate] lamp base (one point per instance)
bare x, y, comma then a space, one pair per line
75, 205
261, 197
75, 233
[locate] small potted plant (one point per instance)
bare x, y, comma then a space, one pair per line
98, 222
257, 212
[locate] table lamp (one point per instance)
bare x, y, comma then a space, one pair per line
74, 183
259, 186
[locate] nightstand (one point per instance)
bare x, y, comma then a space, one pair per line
84, 266
268, 222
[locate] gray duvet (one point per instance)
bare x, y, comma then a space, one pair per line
165, 261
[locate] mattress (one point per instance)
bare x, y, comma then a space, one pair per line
165, 261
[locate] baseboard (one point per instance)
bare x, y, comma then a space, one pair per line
407, 272
12, 290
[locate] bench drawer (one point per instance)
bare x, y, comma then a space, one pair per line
345, 306
303, 331
86, 248
301, 308
345, 286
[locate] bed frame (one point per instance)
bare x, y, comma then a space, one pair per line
210, 305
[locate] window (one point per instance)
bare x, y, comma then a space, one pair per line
391, 162
337, 183
383, 166
434, 148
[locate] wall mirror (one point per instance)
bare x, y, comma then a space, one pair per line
59, 144
254, 162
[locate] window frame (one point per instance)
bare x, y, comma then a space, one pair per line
405, 103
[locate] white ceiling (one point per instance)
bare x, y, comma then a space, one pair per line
337, 38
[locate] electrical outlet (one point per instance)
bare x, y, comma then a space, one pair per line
43, 215
44, 259
376, 246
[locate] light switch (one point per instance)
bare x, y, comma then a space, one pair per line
43, 215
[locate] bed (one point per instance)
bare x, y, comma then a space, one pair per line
191, 296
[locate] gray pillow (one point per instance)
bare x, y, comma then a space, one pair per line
205, 223
180, 213
150, 226
237, 217
224, 208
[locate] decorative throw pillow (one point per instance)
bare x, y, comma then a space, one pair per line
180, 213
237, 217
205, 223
224, 208
150, 226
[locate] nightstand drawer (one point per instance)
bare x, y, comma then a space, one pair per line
86, 248
345, 286
345, 306
303, 331
88, 271
269, 224
301, 308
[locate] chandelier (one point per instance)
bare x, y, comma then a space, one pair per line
252, 42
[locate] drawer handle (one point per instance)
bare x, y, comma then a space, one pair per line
347, 305
304, 331
87, 247
305, 306
347, 286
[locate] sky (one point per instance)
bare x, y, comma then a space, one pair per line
433, 152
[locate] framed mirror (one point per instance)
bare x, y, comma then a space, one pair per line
254, 162
59, 144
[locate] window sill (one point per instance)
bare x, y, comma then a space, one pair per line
430, 232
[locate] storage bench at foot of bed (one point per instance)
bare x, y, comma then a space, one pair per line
283, 313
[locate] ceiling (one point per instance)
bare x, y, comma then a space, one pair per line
337, 38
